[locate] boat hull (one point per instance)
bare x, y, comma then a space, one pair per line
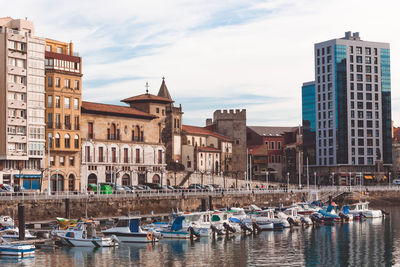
17, 250
95, 242
132, 237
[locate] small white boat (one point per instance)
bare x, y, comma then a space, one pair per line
16, 250
79, 236
6, 221
12, 233
362, 208
291, 215
177, 231
127, 230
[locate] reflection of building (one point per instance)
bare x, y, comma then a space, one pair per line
63, 112
122, 144
205, 150
22, 107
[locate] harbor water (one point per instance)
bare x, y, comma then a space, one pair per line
372, 242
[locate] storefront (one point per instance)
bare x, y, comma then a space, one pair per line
29, 181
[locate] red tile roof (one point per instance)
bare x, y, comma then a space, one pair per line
107, 109
208, 149
204, 131
147, 98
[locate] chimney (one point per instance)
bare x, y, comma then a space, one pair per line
209, 122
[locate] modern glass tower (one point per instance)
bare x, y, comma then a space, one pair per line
352, 112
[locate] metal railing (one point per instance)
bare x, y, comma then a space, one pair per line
21, 196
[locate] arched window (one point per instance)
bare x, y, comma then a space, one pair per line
57, 140
66, 141
137, 133
76, 139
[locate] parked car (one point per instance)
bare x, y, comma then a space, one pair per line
154, 186
128, 189
6, 188
396, 181
195, 186
217, 187
167, 188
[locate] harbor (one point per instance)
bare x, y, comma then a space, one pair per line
208, 225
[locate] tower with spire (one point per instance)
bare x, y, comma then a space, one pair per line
169, 118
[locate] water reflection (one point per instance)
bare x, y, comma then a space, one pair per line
367, 243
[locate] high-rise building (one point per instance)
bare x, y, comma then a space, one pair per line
22, 108
63, 115
348, 107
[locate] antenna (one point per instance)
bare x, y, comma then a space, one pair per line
147, 87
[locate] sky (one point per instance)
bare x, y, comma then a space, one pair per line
244, 54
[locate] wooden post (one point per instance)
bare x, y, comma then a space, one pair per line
21, 221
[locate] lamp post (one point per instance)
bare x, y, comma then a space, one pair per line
176, 163
288, 175
48, 165
333, 179
315, 179
350, 180
57, 181
267, 176
389, 179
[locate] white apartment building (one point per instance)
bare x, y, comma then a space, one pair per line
22, 109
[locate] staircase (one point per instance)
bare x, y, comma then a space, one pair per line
185, 179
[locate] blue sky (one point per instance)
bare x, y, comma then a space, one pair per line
214, 54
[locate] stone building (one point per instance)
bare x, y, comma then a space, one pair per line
232, 124
22, 108
63, 112
122, 144
205, 151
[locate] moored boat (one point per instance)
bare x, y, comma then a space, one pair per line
16, 250
128, 230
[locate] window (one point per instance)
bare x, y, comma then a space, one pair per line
90, 130
279, 145
50, 120
113, 154
368, 50
50, 139
67, 122
76, 122
67, 102
62, 161
58, 102
57, 140
50, 101
359, 59
359, 86
59, 50
360, 96
137, 155
272, 145
359, 77
58, 82
87, 154
157, 110
359, 68
66, 141
359, 50
67, 83
48, 48
101, 154
160, 158
125, 155
368, 60
58, 121
50, 81
76, 141
76, 103
71, 161
76, 84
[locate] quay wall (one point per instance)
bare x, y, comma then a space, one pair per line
40, 210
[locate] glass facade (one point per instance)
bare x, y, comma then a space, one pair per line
309, 125
341, 104
386, 107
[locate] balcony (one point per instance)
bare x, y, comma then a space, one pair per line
17, 104
17, 87
16, 121
15, 138
16, 53
138, 139
16, 70
57, 125
67, 126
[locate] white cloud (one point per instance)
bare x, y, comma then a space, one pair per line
211, 48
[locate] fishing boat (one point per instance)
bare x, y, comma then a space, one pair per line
265, 218
304, 208
361, 208
177, 231
127, 230
83, 236
292, 216
16, 250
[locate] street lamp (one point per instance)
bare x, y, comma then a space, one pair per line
315, 179
288, 175
267, 176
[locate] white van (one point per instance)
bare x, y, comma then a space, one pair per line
396, 182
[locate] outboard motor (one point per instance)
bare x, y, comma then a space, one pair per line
343, 217
315, 219
245, 228
256, 228
215, 230
303, 221
228, 228
385, 213
291, 221
193, 233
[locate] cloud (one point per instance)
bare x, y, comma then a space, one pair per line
214, 54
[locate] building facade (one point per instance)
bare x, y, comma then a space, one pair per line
205, 151
352, 105
63, 113
120, 144
22, 108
